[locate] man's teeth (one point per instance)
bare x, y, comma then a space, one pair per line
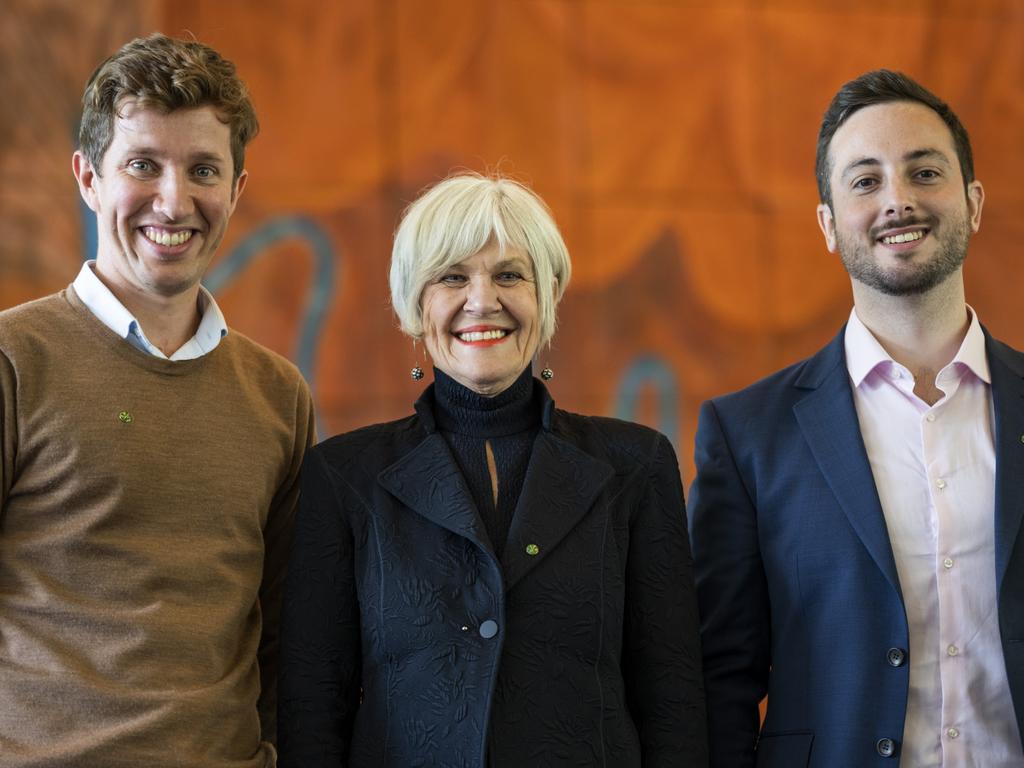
904, 237
483, 335
161, 237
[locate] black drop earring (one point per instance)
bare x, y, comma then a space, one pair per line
417, 372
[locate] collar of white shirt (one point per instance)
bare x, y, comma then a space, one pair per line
113, 314
864, 353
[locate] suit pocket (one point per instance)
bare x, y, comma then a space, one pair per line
784, 750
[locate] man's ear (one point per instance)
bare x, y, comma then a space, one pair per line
828, 226
236, 191
87, 177
975, 201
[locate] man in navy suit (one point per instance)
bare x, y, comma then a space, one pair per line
856, 517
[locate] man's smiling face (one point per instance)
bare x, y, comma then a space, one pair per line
900, 216
162, 199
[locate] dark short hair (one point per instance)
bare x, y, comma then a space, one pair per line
879, 87
166, 73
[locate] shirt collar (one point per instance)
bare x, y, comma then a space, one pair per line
972, 352
212, 326
864, 354
112, 313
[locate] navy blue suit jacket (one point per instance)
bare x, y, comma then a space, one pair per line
797, 585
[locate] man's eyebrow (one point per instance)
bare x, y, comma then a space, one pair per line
925, 153
861, 162
210, 158
156, 152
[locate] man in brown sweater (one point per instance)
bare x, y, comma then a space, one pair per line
148, 457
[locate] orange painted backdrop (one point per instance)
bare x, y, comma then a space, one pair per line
673, 140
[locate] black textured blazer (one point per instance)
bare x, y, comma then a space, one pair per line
406, 641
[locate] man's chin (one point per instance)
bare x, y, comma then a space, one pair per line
906, 278
903, 283
170, 286
172, 278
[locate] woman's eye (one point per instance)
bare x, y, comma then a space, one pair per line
452, 279
508, 278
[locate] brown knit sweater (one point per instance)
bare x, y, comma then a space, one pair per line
145, 515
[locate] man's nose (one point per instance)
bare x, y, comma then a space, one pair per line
174, 197
900, 198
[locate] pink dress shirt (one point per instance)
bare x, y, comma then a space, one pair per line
934, 468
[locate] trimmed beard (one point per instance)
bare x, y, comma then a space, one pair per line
913, 280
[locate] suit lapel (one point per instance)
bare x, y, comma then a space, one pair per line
1007, 370
428, 481
560, 487
828, 419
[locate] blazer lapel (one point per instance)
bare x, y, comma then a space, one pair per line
828, 419
560, 487
428, 481
1007, 370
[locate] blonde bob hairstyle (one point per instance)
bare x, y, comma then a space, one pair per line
457, 218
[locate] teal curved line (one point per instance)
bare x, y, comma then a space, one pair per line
649, 369
321, 288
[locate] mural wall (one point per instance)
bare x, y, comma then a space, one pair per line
673, 140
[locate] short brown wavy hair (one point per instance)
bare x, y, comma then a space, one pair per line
165, 73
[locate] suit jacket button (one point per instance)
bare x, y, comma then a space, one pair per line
886, 747
896, 657
488, 629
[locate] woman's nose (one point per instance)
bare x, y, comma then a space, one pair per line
482, 296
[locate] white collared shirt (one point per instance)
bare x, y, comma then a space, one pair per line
113, 314
934, 468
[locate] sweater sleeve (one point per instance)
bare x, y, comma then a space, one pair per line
661, 656
277, 538
320, 627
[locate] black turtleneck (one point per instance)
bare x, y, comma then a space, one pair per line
509, 421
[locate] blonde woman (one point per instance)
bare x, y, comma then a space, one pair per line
490, 581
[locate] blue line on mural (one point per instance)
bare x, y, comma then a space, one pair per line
321, 287
651, 370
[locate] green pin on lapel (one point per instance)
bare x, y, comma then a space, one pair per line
125, 417
532, 549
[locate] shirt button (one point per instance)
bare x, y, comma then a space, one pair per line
952, 650
952, 733
941, 483
948, 563
488, 629
930, 417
